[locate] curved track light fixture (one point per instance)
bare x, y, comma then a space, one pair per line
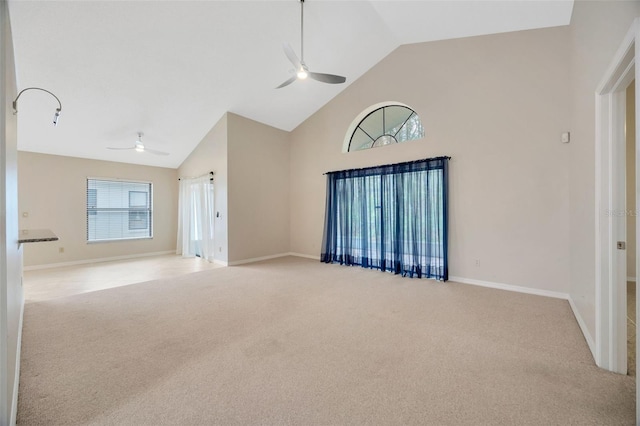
58, 110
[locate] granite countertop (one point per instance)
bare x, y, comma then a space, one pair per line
36, 236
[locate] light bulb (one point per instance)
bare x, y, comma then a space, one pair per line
302, 74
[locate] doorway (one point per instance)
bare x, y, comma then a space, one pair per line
195, 218
611, 340
631, 214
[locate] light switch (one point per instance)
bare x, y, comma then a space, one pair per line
566, 137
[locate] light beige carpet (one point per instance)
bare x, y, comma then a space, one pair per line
293, 341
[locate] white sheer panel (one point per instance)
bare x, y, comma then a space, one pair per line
196, 218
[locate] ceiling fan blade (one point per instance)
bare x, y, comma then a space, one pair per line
292, 56
288, 82
153, 151
114, 148
327, 78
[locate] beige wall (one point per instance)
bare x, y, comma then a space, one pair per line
211, 156
11, 292
52, 190
497, 105
251, 162
631, 180
597, 30
258, 189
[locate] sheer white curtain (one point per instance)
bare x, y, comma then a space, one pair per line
196, 218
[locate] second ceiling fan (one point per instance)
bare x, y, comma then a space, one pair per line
301, 69
138, 146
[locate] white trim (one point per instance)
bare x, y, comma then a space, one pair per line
16, 380
117, 179
306, 256
273, 256
601, 266
510, 287
256, 259
547, 293
583, 326
618, 291
610, 298
99, 260
220, 262
354, 124
618, 65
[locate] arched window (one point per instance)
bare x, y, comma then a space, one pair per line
383, 124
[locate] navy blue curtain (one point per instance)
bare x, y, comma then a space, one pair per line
392, 218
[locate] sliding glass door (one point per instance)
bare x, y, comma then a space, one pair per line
392, 218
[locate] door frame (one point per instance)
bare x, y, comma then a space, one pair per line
610, 298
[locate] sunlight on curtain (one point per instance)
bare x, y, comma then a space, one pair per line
392, 218
195, 218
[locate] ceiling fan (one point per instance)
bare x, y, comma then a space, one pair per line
139, 147
301, 69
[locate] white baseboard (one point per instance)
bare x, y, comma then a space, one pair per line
220, 262
632, 279
509, 287
273, 256
538, 292
16, 379
99, 260
306, 256
583, 326
257, 259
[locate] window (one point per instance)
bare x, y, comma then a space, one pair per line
119, 210
383, 124
138, 209
392, 218
92, 201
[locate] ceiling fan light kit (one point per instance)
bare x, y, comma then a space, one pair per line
301, 69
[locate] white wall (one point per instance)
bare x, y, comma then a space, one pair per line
11, 293
211, 156
597, 29
52, 191
497, 105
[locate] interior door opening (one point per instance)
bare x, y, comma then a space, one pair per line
610, 346
631, 214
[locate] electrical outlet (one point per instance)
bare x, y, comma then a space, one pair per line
220, 249
477, 263
60, 249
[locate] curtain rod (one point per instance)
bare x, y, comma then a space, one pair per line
206, 174
391, 165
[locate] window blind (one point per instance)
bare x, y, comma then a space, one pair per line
119, 210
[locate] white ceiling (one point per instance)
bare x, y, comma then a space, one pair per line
172, 68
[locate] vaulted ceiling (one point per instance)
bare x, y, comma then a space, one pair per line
171, 69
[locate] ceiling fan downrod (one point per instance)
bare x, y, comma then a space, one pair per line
302, 31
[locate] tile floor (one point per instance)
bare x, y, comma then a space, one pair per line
44, 284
